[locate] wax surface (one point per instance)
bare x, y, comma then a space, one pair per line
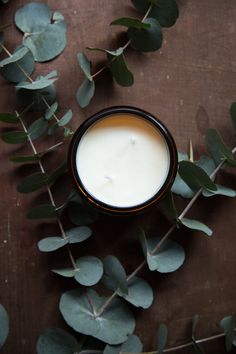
122, 160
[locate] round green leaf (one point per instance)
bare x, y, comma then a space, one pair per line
33, 17
130, 22
85, 92
66, 272
66, 118
35, 97
169, 258
38, 84
217, 148
221, 190
114, 275
165, 12
47, 44
120, 71
79, 310
51, 111
89, 270
146, 40
196, 225
228, 325
140, 293
37, 128
50, 244
85, 65
4, 323
132, 345
32, 183
15, 67
9, 118
195, 176
57, 341
78, 234
161, 338
15, 137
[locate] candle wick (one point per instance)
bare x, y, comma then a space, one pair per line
132, 139
108, 178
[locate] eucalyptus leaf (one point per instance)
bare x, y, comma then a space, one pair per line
14, 137
66, 118
50, 244
85, 65
37, 128
228, 325
140, 293
42, 211
79, 310
233, 114
195, 176
45, 34
218, 149
221, 190
39, 84
66, 272
57, 341
33, 17
131, 345
49, 43
114, 275
146, 40
85, 92
130, 22
207, 164
9, 118
32, 183
35, 98
51, 111
180, 187
89, 270
15, 57
122, 75
169, 257
165, 11
4, 322
78, 234
195, 225
25, 159
161, 338
20, 65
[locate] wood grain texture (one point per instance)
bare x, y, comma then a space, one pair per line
189, 84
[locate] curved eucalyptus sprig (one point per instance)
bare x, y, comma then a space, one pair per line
85, 311
144, 35
48, 341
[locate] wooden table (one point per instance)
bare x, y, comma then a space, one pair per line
189, 84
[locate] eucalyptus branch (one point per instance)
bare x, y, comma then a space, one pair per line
52, 200
126, 45
29, 78
164, 238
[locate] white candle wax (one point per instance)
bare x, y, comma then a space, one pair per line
122, 160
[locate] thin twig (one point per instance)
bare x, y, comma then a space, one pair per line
48, 189
126, 45
164, 238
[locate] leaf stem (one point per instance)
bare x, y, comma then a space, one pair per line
164, 238
126, 45
167, 350
48, 188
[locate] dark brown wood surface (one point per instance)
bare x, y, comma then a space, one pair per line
189, 84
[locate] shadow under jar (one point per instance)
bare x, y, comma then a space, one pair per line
123, 160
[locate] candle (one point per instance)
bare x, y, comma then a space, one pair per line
123, 159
